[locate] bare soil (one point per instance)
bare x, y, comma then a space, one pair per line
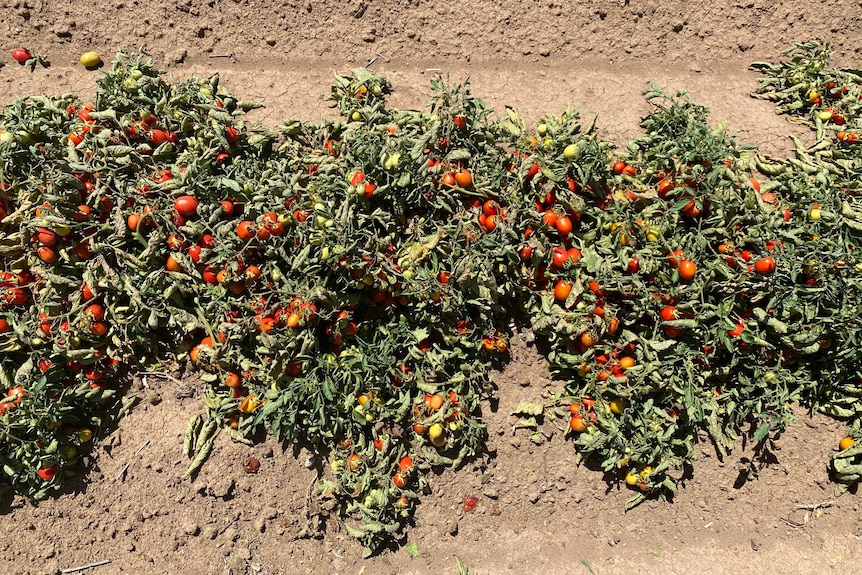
538, 511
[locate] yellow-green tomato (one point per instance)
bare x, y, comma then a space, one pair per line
570, 151
90, 59
814, 214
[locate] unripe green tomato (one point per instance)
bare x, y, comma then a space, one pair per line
355, 116
570, 151
542, 129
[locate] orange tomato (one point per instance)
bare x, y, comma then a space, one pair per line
562, 289
172, 265
577, 424
246, 230
687, 270
464, 178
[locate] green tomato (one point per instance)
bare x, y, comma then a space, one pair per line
570, 151
391, 161
542, 129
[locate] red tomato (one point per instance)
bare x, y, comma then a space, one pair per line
400, 479
564, 225
95, 312
560, 257
186, 206
765, 266
490, 208
21, 55
246, 230
669, 313
47, 473
46, 237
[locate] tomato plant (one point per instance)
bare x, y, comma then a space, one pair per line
352, 283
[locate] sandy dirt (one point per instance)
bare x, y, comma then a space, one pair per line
538, 511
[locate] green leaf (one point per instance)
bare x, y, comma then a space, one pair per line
412, 549
528, 408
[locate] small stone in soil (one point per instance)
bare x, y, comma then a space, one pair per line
491, 493
191, 528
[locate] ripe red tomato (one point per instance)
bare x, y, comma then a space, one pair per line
47, 473
669, 313
46, 237
564, 225
560, 257
448, 179
400, 479
186, 206
619, 166
95, 312
21, 55
490, 208
596, 288
737, 330
674, 258
765, 266
460, 122
99, 328
246, 230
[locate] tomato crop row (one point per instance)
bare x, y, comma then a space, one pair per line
353, 283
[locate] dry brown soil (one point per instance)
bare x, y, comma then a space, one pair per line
538, 511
